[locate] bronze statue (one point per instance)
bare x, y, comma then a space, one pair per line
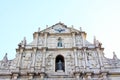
59, 65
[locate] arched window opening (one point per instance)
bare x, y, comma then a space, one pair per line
59, 63
59, 42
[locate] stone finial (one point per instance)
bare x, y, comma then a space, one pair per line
59, 21
46, 26
72, 26
80, 28
115, 56
94, 41
24, 41
97, 43
39, 29
5, 59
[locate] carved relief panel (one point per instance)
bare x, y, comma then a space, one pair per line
78, 40
40, 41
26, 60
60, 29
81, 59
4, 65
50, 62
14, 62
92, 59
70, 63
38, 60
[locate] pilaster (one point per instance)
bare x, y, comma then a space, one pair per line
43, 59
83, 34
85, 57
33, 58
21, 50
100, 58
76, 59
73, 36
45, 36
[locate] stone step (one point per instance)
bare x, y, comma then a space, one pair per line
60, 79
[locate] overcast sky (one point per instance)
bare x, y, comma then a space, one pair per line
19, 18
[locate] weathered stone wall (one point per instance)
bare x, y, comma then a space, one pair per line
82, 60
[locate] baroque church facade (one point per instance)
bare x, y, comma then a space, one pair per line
60, 52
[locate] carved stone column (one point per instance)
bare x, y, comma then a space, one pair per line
21, 49
73, 36
75, 59
75, 53
45, 36
43, 59
84, 64
33, 58
83, 34
77, 71
100, 58
85, 56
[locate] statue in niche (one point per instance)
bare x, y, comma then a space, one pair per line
59, 42
59, 65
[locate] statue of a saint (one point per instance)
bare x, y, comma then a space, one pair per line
59, 44
59, 65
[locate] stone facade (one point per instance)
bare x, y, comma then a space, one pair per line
80, 59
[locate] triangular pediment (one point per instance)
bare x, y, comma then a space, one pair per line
59, 28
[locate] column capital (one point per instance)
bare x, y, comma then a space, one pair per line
34, 49
21, 49
31, 76
88, 72
74, 48
15, 76
44, 48
42, 75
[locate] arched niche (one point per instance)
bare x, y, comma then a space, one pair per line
59, 44
59, 59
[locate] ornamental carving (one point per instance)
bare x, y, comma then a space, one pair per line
38, 61
49, 62
70, 63
92, 60
78, 40
81, 60
26, 60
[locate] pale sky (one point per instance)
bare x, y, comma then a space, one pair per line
19, 18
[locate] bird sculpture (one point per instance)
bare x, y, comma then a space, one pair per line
59, 30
